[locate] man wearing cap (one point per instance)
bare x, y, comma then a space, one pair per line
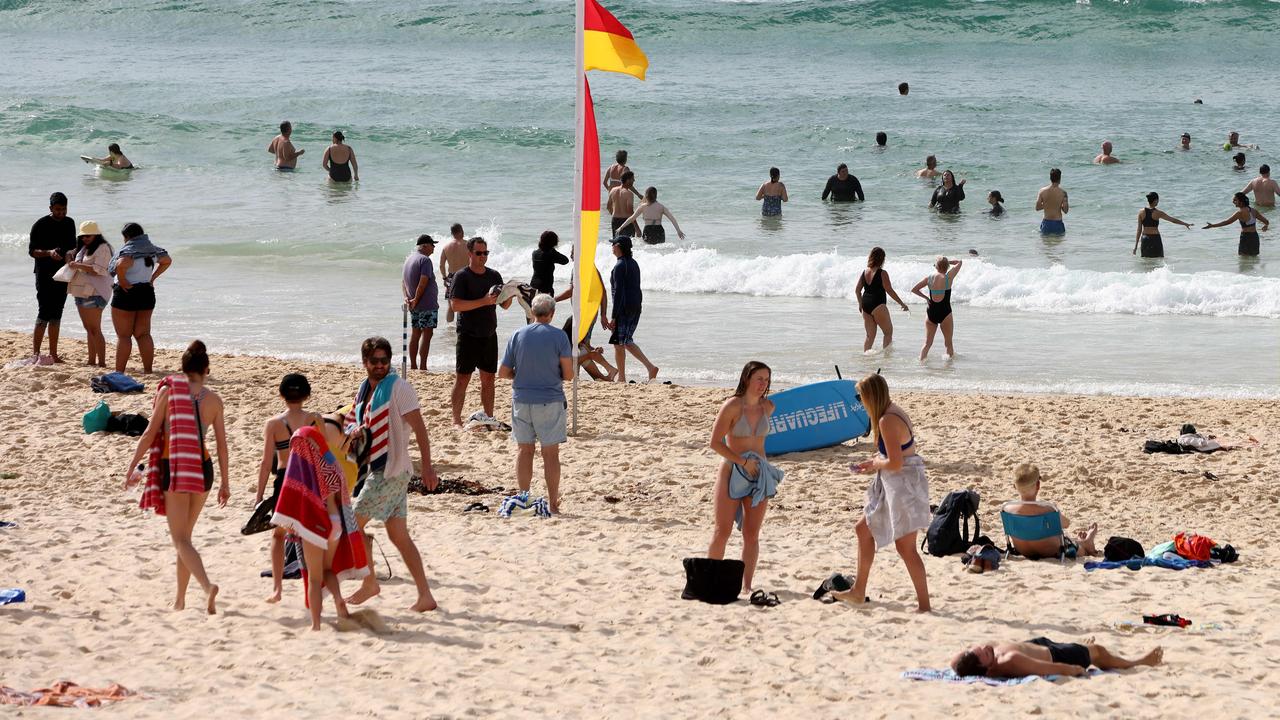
421, 295
624, 289
52, 240
473, 297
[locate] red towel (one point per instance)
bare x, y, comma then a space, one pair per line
186, 456
1192, 546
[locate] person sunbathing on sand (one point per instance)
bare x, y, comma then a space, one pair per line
1042, 656
1026, 478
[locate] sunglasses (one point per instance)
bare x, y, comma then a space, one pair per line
379, 360
481, 253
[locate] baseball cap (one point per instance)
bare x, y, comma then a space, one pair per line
622, 240
426, 240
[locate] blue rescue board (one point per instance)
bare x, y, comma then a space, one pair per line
815, 416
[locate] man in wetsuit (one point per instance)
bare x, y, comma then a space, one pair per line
52, 242
1052, 200
1042, 656
843, 187
1264, 189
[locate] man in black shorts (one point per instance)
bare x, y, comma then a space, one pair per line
52, 241
474, 298
1042, 656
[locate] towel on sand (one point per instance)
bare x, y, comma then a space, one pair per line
947, 675
1174, 563
65, 694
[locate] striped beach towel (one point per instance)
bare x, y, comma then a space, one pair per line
186, 456
538, 507
374, 417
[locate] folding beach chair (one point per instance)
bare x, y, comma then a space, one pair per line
1039, 526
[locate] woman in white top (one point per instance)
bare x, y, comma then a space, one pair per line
652, 211
91, 286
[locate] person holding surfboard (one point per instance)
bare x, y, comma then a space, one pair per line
897, 506
938, 314
873, 287
738, 436
115, 159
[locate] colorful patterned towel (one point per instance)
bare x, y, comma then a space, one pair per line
186, 458
311, 476
375, 418
520, 501
947, 675
65, 694
1139, 563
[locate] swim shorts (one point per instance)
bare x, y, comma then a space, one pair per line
615, 226
139, 297
543, 422
1052, 227
1065, 653
383, 498
51, 298
1152, 246
476, 353
424, 319
624, 330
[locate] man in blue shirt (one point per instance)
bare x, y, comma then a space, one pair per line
423, 300
538, 360
624, 288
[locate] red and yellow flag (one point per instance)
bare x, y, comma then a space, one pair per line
588, 300
607, 44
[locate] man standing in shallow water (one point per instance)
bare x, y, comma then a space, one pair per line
1052, 200
1105, 157
286, 155
453, 257
1264, 189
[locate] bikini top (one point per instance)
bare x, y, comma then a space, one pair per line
1149, 219
908, 444
1252, 220
942, 291
743, 429
284, 444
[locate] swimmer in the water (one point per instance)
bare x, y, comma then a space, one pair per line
340, 160
938, 314
994, 198
651, 212
613, 176
930, 168
1105, 157
1184, 143
1052, 200
903, 88
1239, 158
1149, 228
882, 139
948, 195
1248, 217
772, 194
1264, 189
114, 159
1233, 142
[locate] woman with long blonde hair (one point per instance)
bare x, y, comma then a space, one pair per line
897, 506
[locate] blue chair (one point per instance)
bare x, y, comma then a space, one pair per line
1028, 528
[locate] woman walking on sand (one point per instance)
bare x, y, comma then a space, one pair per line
294, 390
897, 505
873, 291
745, 480
178, 474
938, 314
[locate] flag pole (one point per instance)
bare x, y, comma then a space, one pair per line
579, 288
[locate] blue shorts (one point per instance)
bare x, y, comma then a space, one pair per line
93, 301
423, 319
544, 422
1052, 227
624, 330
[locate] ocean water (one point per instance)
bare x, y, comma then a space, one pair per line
463, 111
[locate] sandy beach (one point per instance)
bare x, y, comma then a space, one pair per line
580, 615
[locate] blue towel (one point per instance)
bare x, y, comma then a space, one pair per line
947, 675
521, 501
760, 488
1139, 563
12, 595
7, 524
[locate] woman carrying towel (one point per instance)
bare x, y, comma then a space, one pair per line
179, 471
897, 506
133, 298
294, 390
738, 436
91, 287
938, 314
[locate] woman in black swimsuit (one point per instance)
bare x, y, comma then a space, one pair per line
1149, 228
340, 160
948, 195
294, 389
1248, 217
873, 287
545, 259
939, 298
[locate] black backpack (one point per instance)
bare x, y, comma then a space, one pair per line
945, 535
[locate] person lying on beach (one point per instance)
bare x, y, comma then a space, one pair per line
1026, 478
1042, 656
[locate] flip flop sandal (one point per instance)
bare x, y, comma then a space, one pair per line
476, 507
761, 598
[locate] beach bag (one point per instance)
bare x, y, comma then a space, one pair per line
717, 582
96, 419
949, 534
1120, 549
130, 424
1192, 546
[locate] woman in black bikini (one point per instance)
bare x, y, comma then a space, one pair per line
939, 298
1248, 217
1149, 228
741, 427
294, 389
873, 287
340, 160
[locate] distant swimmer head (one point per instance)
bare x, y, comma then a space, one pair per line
875, 258
295, 388
548, 240
1055, 175
1186, 139
114, 149
1233, 137
754, 380
931, 161
842, 171
286, 128
1240, 200
941, 264
995, 197
903, 88
456, 231
338, 137
882, 138
1153, 198
1106, 147
774, 174
651, 194
132, 230
627, 178
1197, 101
1239, 158
620, 157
